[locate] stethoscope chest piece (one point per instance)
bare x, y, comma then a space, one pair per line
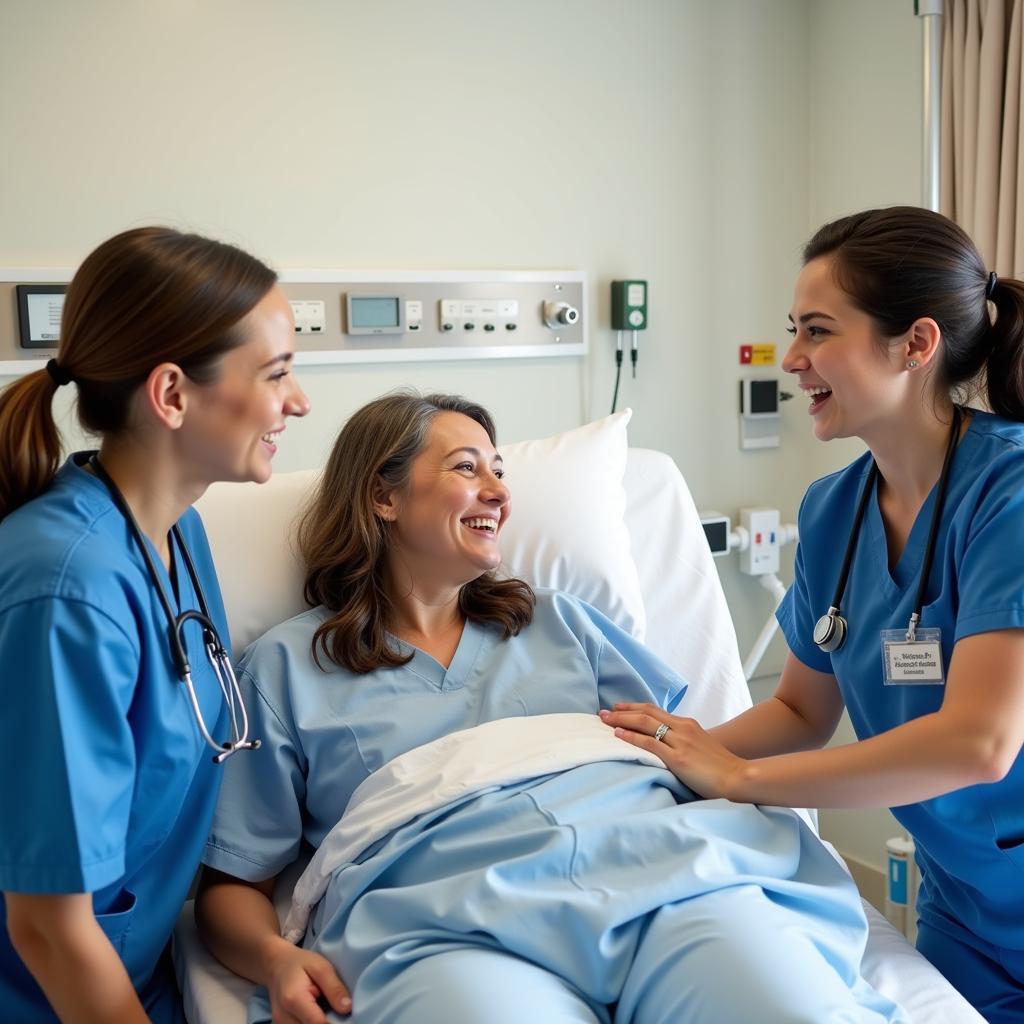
830, 631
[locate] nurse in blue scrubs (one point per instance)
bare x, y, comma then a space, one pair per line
179, 349
907, 605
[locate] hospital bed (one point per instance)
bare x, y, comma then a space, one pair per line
616, 526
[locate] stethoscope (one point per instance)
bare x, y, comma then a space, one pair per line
830, 630
220, 660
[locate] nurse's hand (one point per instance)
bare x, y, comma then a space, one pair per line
299, 982
689, 751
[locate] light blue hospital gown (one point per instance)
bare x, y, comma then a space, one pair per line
551, 899
970, 843
107, 785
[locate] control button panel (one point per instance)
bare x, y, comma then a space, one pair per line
413, 314
310, 316
490, 314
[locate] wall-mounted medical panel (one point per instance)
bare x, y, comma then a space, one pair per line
348, 316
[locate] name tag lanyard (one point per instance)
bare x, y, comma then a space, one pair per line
831, 629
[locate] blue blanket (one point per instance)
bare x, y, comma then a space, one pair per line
602, 875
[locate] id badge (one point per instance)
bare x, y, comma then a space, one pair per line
916, 662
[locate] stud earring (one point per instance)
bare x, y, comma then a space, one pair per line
911, 364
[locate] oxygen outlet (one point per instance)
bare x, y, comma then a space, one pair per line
560, 314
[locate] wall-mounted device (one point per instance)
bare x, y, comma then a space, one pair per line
629, 305
487, 315
560, 314
39, 311
360, 316
372, 313
759, 413
628, 313
310, 316
717, 528
761, 554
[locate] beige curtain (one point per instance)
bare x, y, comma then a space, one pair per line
982, 163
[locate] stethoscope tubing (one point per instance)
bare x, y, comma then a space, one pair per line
218, 655
831, 629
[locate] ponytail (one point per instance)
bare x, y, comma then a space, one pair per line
30, 446
903, 263
1005, 366
144, 297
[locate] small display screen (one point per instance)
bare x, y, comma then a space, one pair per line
39, 312
717, 533
764, 396
374, 312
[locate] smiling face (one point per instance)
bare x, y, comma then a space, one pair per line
853, 378
232, 425
445, 522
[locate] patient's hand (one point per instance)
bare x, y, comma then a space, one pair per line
694, 756
298, 982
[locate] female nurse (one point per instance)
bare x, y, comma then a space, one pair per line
907, 605
179, 349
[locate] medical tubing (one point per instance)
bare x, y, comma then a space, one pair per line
851, 544
933, 531
618, 375
777, 589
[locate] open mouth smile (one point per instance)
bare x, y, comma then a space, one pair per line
818, 396
482, 524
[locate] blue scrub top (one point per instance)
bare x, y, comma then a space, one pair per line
970, 843
106, 785
325, 732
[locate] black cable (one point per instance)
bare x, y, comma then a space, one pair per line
632, 356
618, 374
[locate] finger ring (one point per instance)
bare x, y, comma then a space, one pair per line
659, 733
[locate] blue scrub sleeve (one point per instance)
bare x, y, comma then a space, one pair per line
625, 670
67, 754
991, 580
257, 827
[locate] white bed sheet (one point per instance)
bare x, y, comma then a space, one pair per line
689, 626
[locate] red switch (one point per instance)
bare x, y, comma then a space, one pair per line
746, 355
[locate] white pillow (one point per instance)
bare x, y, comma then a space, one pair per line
567, 530
251, 528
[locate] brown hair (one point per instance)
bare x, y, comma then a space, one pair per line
343, 543
143, 297
903, 263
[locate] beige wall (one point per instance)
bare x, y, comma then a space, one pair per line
691, 142
665, 139
866, 137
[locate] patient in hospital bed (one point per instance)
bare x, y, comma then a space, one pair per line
486, 849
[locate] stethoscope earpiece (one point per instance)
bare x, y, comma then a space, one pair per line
830, 631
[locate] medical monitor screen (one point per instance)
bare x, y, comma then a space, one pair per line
39, 311
368, 312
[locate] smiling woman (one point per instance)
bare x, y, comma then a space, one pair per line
910, 556
507, 881
238, 418
411, 504
179, 348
